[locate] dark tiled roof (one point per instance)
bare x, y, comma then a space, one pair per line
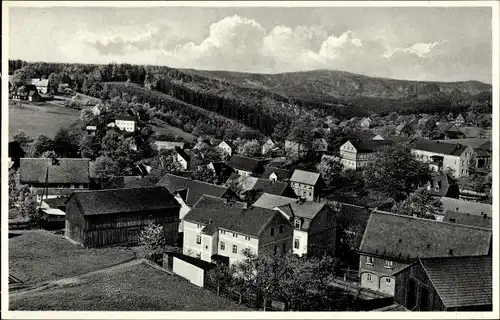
195, 189
461, 281
471, 207
211, 211
282, 174
183, 153
124, 200
440, 147
407, 238
69, 170
447, 126
467, 219
244, 163
471, 142
268, 186
370, 145
444, 182
270, 201
126, 118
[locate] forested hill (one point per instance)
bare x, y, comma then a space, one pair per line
262, 101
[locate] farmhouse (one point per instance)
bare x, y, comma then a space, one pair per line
218, 229
391, 242
405, 129
444, 156
314, 223
448, 130
306, 184
366, 122
40, 84
482, 151
269, 145
55, 177
187, 192
446, 284
473, 208
225, 149
126, 123
117, 216
276, 174
244, 166
25, 92
355, 154
460, 120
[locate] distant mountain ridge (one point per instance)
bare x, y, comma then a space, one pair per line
326, 84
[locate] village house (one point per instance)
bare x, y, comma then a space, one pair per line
444, 156
391, 242
355, 154
473, 208
202, 144
482, 152
294, 149
481, 221
254, 187
41, 84
219, 229
188, 191
366, 123
187, 160
247, 167
126, 123
319, 145
448, 130
446, 284
225, 149
221, 170
269, 145
26, 92
307, 184
276, 174
405, 129
459, 120
168, 145
51, 178
442, 185
117, 216
314, 223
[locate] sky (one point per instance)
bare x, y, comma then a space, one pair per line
428, 44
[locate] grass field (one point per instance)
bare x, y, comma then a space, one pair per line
37, 256
163, 128
138, 287
35, 120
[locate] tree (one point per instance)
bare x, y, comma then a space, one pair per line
53, 86
330, 169
40, 145
302, 133
280, 132
478, 183
106, 170
250, 149
23, 140
90, 146
430, 128
65, 143
222, 275
395, 172
420, 204
152, 239
22, 77
205, 174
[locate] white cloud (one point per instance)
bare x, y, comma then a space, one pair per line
419, 49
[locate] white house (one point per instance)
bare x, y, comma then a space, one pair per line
366, 122
126, 123
220, 229
268, 146
225, 149
314, 223
444, 156
40, 84
355, 154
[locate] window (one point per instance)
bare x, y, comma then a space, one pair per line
72, 186
60, 186
247, 238
222, 245
223, 232
198, 255
388, 264
198, 226
235, 235
369, 277
80, 186
282, 229
297, 223
198, 238
369, 260
272, 232
235, 248
296, 243
387, 280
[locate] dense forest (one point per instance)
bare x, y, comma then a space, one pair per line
259, 107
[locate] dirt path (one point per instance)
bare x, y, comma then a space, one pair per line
76, 280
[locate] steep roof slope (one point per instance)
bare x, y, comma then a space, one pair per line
65, 170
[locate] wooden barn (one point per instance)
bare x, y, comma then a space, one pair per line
117, 216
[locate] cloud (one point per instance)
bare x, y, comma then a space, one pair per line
237, 43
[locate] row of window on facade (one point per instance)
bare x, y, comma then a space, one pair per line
301, 185
71, 186
388, 263
370, 278
281, 229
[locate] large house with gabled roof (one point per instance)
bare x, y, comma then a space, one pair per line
245, 166
220, 230
307, 184
391, 242
355, 154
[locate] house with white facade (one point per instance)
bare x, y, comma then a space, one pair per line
366, 122
306, 184
220, 229
245, 166
355, 154
41, 85
269, 145
188, 191
314, 223
225, 149
126, 123
443, 156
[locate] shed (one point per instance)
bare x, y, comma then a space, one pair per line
188, 267
117, 216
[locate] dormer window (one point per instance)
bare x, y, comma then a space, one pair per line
297, 223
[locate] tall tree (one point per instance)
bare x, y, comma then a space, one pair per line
41, 144
330, 169
395, 172
250, 149
420, 204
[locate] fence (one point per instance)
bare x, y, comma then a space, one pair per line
249, 299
